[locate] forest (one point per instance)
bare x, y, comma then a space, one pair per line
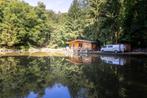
107, 21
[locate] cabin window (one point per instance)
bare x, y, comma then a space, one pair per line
80, 45
94, 46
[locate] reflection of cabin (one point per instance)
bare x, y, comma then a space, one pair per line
83, 45
83, 59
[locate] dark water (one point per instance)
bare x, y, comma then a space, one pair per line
73, 77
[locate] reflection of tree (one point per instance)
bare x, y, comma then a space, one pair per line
98, 79
20, 75
112, 81
134, 83
104, 78
71, 75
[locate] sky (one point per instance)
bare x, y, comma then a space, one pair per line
55, 5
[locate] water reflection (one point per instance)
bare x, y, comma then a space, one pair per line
115, 60
57, 91
55, 77
83, 59
32, 95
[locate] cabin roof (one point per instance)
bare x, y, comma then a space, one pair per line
80, 40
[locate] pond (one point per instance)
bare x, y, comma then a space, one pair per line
94, 76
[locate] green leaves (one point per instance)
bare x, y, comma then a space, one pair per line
22, 25
109, 21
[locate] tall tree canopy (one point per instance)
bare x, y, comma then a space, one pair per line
109, 21
23, 25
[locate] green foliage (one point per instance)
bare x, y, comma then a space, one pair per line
23, 25
134, 22
104, 20
110, 21
76, 20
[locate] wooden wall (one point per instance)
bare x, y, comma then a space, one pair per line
83, 46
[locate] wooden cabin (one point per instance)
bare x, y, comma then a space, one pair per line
83, 45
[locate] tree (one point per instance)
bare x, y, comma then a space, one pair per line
104, 16
134, 22
23, 25
76, 20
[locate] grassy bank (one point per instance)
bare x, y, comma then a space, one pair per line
32, 52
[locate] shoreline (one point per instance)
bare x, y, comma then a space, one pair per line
125, 54
32, 52
60, 52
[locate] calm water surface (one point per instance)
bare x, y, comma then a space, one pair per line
73, 77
